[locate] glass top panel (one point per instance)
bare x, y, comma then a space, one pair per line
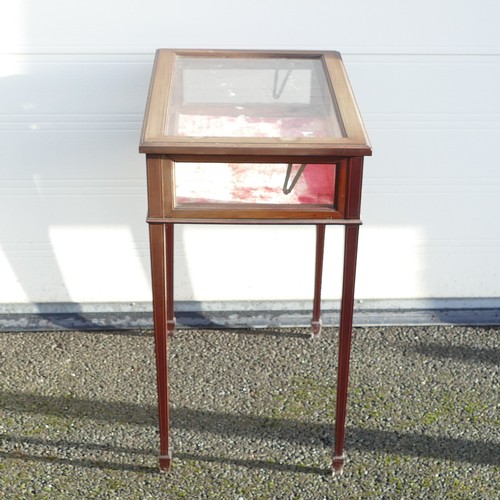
251, 97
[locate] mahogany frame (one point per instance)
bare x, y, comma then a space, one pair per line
162, 152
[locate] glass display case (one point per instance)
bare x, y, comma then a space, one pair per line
252, 137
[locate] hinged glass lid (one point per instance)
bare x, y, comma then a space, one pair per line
233, 97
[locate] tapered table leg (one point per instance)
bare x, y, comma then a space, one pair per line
318, 275
345, 334
161, 246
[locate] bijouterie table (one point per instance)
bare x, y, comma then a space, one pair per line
241, 137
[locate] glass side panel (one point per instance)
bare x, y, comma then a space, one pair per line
251, 97
202, 183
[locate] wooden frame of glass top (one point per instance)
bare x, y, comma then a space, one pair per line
156, 139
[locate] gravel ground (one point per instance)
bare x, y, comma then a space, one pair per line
252, 414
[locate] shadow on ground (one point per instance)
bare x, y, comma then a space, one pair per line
225, 425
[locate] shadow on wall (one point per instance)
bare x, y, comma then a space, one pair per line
74, 188
73, 184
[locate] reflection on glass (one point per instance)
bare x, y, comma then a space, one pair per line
251, 97
253, 184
